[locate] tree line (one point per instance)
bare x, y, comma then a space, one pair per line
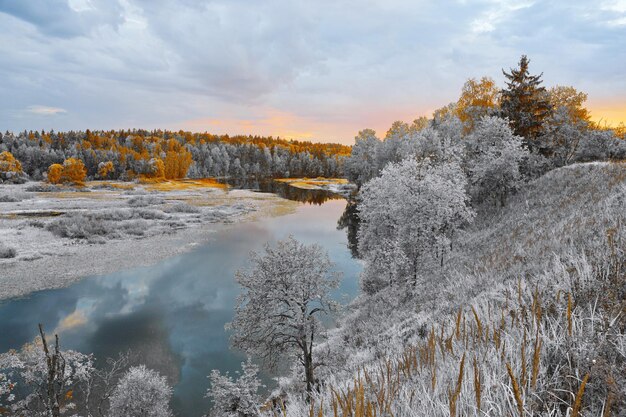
138, 154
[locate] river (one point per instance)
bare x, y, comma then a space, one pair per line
171, 316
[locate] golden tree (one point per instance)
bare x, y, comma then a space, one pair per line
177, 160
54, 173
478, 98
8, 163
73, 171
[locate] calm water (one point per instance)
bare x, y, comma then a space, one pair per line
171, 316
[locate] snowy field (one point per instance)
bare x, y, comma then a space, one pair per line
52, 236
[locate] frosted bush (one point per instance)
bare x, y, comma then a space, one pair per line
141, 392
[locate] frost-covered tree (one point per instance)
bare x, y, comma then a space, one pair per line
283, 295
235, 397
562, 135
570, 99
141, 392
415, 206
362, 165
390, 148
492, 158
40, 379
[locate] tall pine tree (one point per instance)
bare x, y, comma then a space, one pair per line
525, 102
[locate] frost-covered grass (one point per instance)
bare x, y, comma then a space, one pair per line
525, 318
54, 229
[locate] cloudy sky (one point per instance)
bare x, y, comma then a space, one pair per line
320, 70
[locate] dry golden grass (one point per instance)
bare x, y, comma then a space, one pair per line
311, 183
185, 184
112, 184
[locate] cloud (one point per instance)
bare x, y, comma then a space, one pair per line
45, 110
323, 69
71, 321
60, 18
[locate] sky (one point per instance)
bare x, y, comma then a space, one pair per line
317, 70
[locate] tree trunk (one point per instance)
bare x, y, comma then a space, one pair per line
308, 370
53, 367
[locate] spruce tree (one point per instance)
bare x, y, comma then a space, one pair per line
525, 103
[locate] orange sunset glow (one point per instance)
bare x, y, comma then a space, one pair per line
296, 71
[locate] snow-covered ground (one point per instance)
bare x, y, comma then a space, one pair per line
51, 238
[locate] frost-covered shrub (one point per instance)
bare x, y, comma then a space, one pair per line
14, 197
235, 397
143, 201
148, 214
77, 226
181, 207
7, 252
9, 199
135, 227
42, 188
109, 223
141, 392
600, 145
30, 386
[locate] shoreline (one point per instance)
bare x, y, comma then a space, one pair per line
47, 261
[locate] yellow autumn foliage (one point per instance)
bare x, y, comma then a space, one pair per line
105, 168
54, 173
72, 171
8, 163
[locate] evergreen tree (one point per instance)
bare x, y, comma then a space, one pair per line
525, 103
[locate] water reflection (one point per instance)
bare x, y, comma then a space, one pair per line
350, 221
172, 315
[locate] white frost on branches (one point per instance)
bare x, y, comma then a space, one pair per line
141, 392
235, 397
410, 211
283, 295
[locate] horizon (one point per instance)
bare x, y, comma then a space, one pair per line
290, 70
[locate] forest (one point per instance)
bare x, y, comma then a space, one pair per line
494, 266
139, 154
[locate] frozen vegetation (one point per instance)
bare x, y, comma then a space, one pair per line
494, 283
51, 235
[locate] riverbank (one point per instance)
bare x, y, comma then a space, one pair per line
55, 236
339, 186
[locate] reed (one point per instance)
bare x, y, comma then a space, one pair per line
536, 355
477, 386
569, 314
479, 325
516, 391
579, 397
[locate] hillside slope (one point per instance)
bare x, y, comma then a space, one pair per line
528, 316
